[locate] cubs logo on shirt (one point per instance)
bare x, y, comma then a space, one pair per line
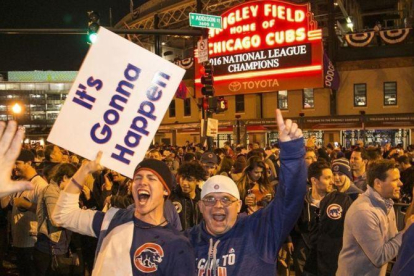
148, 256
334, 211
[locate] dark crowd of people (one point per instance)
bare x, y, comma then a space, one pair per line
291, 208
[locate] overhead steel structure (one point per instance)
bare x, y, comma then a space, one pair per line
173, 14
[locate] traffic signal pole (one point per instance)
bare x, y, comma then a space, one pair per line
114, 30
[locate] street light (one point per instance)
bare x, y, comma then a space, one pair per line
17, 109
349, 23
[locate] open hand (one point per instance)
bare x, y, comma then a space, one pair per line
95, 165
288, 130
10, 146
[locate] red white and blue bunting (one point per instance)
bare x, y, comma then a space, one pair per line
393, 36
186, 63
359, 39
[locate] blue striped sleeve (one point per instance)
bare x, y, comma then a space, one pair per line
97, 222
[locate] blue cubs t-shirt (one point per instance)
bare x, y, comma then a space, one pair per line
160, 250
155, 250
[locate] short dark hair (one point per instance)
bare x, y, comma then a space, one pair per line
40, 153
192, 169
315, 169
394, 156
61, 170
379, 169
189, 156
363, 152
403, 159
26, 156
256, 152
240, 164
219, 151
373, 154
154, 151
48, 151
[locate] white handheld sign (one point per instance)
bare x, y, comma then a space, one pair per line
116, 103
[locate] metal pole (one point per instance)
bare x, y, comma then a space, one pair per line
238, 130
110, 17
195, 32
157, 40
199, 6
209, 114
332, 49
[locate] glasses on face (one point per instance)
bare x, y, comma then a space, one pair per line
211, 201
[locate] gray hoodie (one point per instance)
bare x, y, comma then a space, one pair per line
371, 238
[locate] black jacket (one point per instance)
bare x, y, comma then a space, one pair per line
326, 240
305, 226
186, 208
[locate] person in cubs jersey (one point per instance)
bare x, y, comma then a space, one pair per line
138, 240
227, 244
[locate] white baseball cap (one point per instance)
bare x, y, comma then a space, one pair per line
220, 184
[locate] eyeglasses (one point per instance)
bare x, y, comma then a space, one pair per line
211, 201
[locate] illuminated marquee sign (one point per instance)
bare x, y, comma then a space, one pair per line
265, 46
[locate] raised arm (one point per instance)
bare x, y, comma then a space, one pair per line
10, 146
271, 225
67, 212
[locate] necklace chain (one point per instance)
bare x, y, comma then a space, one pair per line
149, 227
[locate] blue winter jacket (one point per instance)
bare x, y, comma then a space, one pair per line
252, 245
405, 260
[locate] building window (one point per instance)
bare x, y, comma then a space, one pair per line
282, 99
27, 86
42, 86
360, 94
57, 86
187, 107
308, 100
390, 93
239, 103
172, 109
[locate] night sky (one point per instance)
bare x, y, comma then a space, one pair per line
51, 52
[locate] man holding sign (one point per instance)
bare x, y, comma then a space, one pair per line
118, 101
133, 241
